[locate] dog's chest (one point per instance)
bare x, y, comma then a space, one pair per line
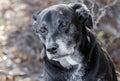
77, 74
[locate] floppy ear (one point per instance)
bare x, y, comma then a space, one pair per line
83, 14
35, 15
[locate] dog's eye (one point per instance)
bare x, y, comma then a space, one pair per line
63, 24
43, 29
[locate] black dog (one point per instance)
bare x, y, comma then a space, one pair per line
71, 50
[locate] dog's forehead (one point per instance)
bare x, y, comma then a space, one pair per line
55, 12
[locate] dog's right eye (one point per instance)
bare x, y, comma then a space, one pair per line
43, 29
63, 24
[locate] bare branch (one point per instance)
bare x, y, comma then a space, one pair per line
102, 12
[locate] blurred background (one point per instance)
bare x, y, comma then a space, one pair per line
20, 48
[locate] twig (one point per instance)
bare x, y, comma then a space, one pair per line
102, 12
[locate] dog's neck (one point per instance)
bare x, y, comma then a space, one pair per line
87, 42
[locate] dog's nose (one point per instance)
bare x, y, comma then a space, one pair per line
52, 48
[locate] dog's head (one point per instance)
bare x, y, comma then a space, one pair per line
60, 27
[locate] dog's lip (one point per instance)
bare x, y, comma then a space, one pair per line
60, 56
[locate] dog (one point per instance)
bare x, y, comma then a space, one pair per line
72, 52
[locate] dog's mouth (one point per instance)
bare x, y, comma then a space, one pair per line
65, 60
59, 56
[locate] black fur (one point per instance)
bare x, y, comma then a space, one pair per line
96, 64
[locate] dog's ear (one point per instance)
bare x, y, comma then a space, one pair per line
35, 16
83, 14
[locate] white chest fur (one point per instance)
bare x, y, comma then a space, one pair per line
69, 61
77, 75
